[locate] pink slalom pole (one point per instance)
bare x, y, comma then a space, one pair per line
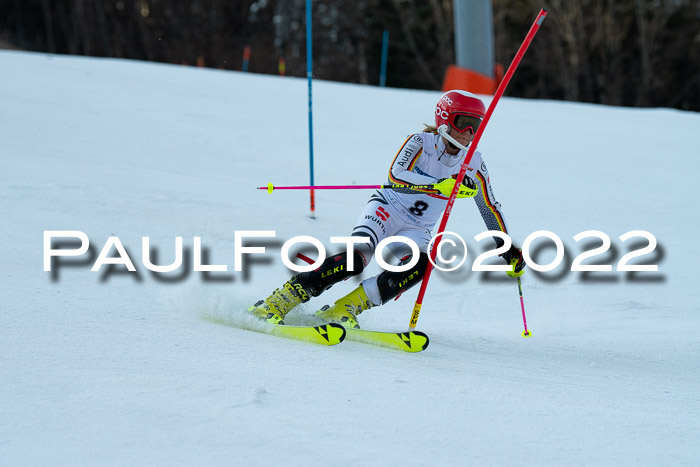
321, 187
472, 148
270, 187
526, 332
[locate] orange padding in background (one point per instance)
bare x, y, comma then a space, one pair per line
468, 80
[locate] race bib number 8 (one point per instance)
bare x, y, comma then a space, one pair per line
418, 208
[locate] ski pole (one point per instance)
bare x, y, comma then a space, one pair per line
270, 187
526, 332
472, 148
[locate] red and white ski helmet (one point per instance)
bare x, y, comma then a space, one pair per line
457, 103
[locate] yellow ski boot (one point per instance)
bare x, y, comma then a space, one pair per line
345, 310
275, 307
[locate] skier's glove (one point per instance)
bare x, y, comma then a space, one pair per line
514, 257
445, 186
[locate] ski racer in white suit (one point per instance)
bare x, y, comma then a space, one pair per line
425, 158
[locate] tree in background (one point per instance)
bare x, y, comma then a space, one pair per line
621, 52
617, 52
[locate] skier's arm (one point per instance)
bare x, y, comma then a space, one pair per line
489, 208
401, 171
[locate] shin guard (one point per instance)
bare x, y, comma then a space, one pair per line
334, 269
391, 284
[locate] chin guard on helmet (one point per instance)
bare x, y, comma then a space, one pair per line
443, 131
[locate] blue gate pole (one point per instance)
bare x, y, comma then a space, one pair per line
309, 76
385, 56
246, 58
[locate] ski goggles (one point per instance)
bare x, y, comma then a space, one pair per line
464, 122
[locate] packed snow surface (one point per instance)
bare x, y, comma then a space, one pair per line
140, 368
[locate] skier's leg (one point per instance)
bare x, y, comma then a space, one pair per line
382, 288
389, 284
301, 287
377, 221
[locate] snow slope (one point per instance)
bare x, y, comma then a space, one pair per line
115, 368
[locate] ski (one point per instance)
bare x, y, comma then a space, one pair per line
414, 341
325, 334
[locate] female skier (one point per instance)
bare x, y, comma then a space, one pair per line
425, 158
